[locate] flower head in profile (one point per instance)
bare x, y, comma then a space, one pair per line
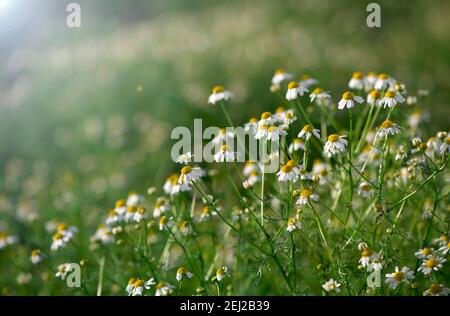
445, 146
36, 256
182, 272
223, 137
279, 76
307, 81
365, 190
334, 145
405, 275
292, 224
306, 197
165, 222
308, 131
348, 100
331, 286
163, 289
134, 199
189, 174
288, 172
357, 81
436, 289
296, 145
391, 99
319, 96
374, 98
383, 82
295, 90
222, 273
63, 270
225, 154
161, 206
251, 126
6, 240
369, 81
219, 94
388, 128
185, 159
274, 133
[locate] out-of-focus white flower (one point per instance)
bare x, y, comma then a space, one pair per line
331, 286
357, 81
436, 289
295, 90
219, 94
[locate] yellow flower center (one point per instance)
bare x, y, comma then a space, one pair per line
280, 109
186, 170
224, 148
423, 147
293, 85
365, 187
443, 238
218, 89
138, 283
431, 263
435, 288
272, 129
367, 253
333, 138
160, 285
387, 124
389, 94
279, 71
305, 77
348, 95
398, 276
266, 115
291, 163
318, 91
132, 209
383, 76
131, 281
253, 120
426, 251
35, 252
291, 221
182, 270
357, 75
305, 193
57, 236
163, 220
375, 94
62, 227
308, 128
120, 203
286, 168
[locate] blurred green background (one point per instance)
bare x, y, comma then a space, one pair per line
86, 114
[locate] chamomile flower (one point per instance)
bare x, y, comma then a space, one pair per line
307, 81
369, 81
319, 96
113, 217
139, 216
63, 270
445, 249
436, 289
134, 199
161, 206
304, 174
365, 190
185, 228
171, 184
219, 94
391, 99
36, 256
296, 145
357, 81
224, 154
267, 119
295, 90
249, 167
129, 215
376, 262
58, 241
374, 98
288, 172
130, 286
288, 119
165, 222
138, 287
306, 197
222, 273
308, 131
185, 159
223, 137
292, 224
445, 146
405, 275
279, 76
383, 82
189, 174
331, 286
163, 289
103, 234
182, 272
348, 100
432, 263
262, 132
334, 145
251, 126
418, 145
251, 180
6, 240
388, 128
207, 212
434, 144
441, 241
366, 256
321, 170
120, 206
274, 133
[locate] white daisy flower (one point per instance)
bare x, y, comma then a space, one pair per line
388, 128
58, 241
296, 145
252, 179
431, 263
138, 288
163, 289
441, 241
348, 100
185, 228
274, 133
6, 240
165, 222
288, 118
306, 197
129, 215
391, 99
161, 206
130, 286
185, 159
134, 199
63, 270
295, 90
113, 217
189, 174
120, 206
304, 174
139, 216
374, 98
279, 76
104, 234
357, 81
207, 212
331, 286
365, 190
306, 81
436, 289
267, 119
445, 249
219, 94
445, 147
405, 275
262, 132
182, 273
172, 187
376, 262
292, 224
383, 82
308, 131
288, 172
369, 81
366, 256
251, 126
249, 167
223, 137
221, 273
225, 155
36, 256
319, 96
334, 145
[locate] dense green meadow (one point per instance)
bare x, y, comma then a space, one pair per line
85, 139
